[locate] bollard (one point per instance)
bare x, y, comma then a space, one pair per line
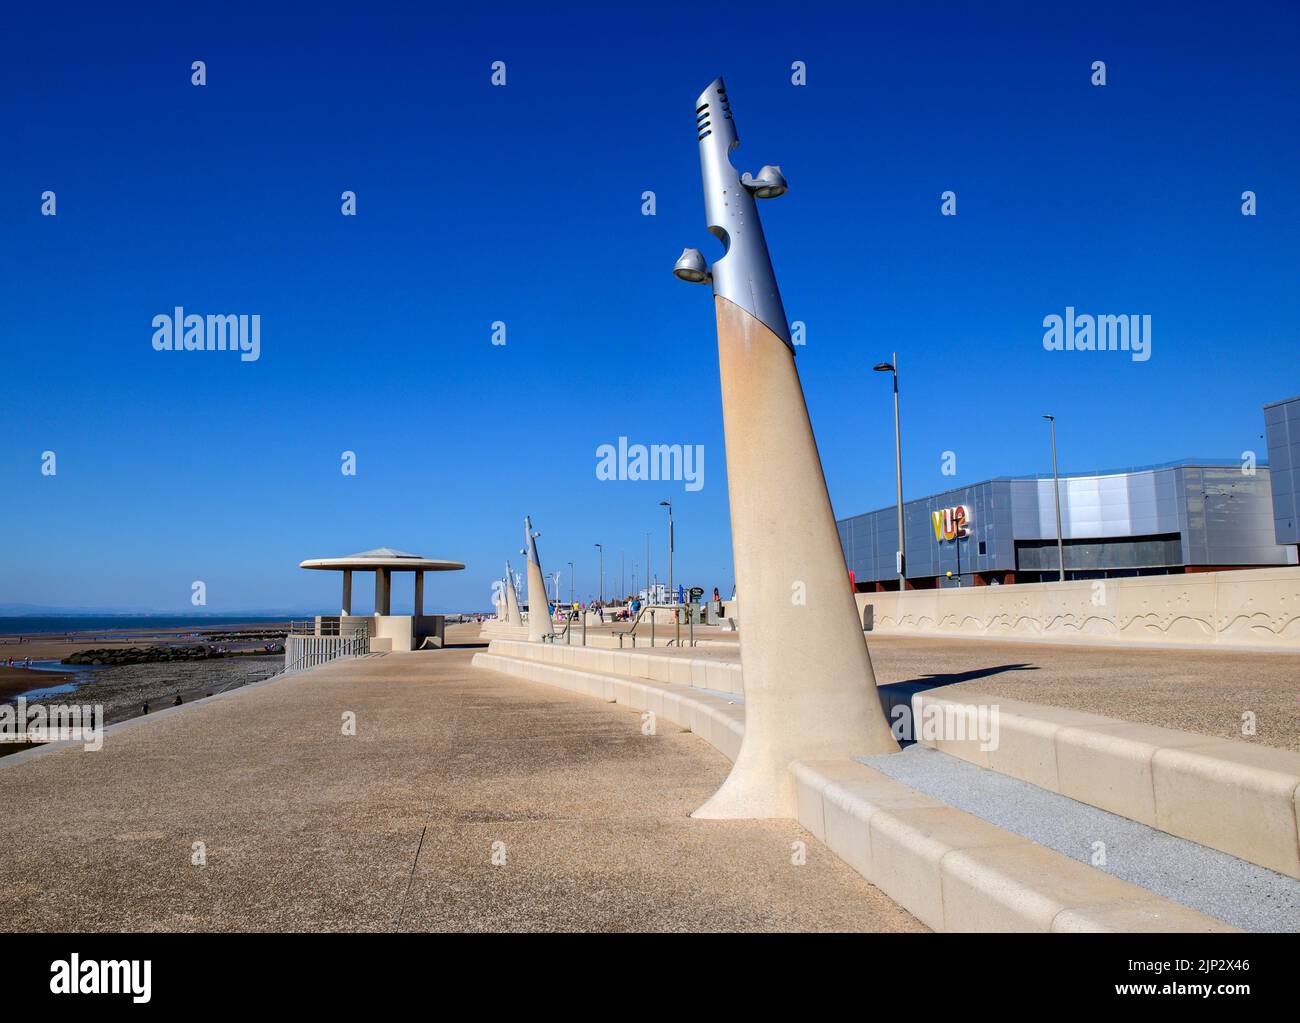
584, 628
691, 620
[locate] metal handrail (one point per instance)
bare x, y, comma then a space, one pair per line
331, 626
632, 631
555, 637
641, 614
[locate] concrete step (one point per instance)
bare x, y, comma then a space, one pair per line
1239, 797
705, 673
952, 870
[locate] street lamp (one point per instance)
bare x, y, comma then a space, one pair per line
672, 594
1056, 486
571, 587
602, 572
892, 367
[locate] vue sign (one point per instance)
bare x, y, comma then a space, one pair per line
951, 523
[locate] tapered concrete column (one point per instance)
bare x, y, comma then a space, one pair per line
539, 611
347, 591
810, 692
383, 590
419, 594
513, 617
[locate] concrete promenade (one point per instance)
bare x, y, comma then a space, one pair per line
1195, 690
305, 828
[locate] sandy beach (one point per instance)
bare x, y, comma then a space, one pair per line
56, 646
124, 690
14, 681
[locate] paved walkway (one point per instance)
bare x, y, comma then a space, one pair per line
394, 828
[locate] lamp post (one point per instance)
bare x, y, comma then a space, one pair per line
1056, 487
901, 566
570, 587
622, 575
602, 572
810, 691
672, 594
649, 595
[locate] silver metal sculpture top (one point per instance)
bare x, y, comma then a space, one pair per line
530, 543
743, 274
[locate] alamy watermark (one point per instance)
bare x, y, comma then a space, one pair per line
77, 976
1084, 332
948, 722
179, 332
682, 462
53, 722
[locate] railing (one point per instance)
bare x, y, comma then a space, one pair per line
331, 625
632, 631
690, 620
307, 650
565, 632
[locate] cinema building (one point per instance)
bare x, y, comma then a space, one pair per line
1282, 431
1194, 515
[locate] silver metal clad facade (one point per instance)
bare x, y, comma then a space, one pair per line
1229, 517
1282, 432
1184, 513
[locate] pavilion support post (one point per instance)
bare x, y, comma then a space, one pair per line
383, 590
347, 592
419, 594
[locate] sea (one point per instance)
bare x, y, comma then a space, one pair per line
35, 625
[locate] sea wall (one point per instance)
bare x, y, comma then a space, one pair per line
1248, 609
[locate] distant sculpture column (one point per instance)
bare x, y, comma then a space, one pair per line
347, 592
539, 608
513, 617
810, 692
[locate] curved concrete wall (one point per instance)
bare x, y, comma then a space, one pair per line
1256, 608
953, 871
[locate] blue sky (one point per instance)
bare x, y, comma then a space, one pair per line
523, 204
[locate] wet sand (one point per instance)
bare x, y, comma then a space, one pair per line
19, 680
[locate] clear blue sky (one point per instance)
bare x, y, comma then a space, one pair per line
523, 204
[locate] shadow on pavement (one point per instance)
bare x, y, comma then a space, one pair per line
899, 694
